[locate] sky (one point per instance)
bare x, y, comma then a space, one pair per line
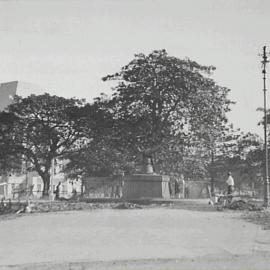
67, 46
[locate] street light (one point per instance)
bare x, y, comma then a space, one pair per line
266, 178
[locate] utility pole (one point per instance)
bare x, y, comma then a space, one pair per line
266, 177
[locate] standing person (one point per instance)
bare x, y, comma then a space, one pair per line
186, 192
117, 190
171, 188
57, 191
183, 184
230, 184
177, 188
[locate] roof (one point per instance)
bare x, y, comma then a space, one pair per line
9, 89
7, 92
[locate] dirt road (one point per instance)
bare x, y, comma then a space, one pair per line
133, 239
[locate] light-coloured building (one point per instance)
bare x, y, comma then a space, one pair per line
9, 89
30, 185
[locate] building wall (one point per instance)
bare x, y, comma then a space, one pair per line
67, 186
20, 185
9, 89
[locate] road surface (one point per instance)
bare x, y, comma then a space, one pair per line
155, 238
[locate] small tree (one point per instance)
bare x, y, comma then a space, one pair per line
42, 128
242, 154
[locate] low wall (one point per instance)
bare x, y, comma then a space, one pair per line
146, 186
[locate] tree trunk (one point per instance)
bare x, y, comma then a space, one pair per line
46, 183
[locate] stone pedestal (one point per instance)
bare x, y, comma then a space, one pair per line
138, 186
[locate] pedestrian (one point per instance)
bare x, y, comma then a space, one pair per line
117, 190
171, 188
177, 188
186, 192
113, 190
57, 191
183, 185
230, 185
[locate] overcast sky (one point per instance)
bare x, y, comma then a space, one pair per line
66, 46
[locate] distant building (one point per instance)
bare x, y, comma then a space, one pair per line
9, 89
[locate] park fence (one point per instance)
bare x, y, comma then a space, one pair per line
103, 187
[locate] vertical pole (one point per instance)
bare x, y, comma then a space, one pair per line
266, 177
212, 172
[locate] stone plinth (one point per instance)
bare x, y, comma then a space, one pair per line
146, 186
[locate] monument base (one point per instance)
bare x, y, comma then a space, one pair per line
138, 186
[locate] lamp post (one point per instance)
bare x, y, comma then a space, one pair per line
266, 177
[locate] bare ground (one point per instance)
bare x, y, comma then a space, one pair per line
152, 238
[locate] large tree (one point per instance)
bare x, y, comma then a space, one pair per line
161, 102
100, 156
42, 128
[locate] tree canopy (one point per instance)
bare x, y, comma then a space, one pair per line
162, 108
41, 128
161, 102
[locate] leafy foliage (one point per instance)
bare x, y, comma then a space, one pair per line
42, 128
100, 156
243, 157
10, 160
162, 102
